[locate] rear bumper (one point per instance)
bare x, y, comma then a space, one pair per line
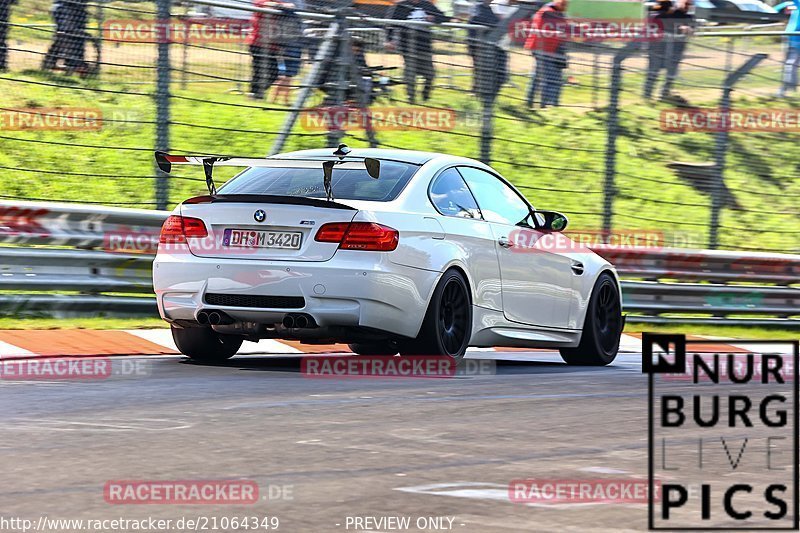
353, 289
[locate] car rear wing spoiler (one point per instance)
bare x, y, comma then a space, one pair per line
165, 162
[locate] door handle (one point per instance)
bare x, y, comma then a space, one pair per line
504, 242
577, 268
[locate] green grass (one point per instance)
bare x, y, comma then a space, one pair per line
732, 332
81, 323
559, 160
557, 156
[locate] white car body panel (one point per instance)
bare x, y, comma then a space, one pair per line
518, 298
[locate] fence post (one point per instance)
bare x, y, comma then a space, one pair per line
162, 98
486, 90
595, 78
721, 148
613, 131
101, 19
185, 48
344, 58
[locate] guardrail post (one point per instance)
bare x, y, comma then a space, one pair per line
721, 149
162, 98
613, 131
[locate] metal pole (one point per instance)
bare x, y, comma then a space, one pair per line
343, 61
721, 149
363, 91
325, 50
185, 47
100, 21
595, 77
163, 99
609, 185
487, 91
729, 55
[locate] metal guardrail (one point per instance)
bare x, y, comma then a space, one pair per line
62, 259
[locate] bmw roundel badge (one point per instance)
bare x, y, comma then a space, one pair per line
260, 215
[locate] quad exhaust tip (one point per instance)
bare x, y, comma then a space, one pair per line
298, 321
213, 318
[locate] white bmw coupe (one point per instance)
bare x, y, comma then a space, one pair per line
390, 251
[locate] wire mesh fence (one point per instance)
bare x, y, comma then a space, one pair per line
90, 89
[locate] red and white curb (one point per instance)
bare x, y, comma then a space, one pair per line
24, 344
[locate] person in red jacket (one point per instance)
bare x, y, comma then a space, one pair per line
547, 43
263, 50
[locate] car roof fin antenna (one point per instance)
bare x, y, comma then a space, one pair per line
208, 167
327, 172
342, 151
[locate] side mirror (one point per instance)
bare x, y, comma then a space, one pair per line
550, 220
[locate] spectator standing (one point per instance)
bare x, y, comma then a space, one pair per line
547, 43
288, 44
263, 50
666, 54
363, 72
415, 43
69, 40
484, 16
75, 35
792, 62
55, 50
5, 13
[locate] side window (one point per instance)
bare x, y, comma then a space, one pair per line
498, 202
451, 196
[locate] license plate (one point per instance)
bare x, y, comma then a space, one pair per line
289, 240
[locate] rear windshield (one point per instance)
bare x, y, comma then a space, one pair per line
348, 184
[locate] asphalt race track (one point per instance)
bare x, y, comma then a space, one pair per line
323, 450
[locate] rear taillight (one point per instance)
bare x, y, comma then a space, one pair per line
359, 236
177, 229
332, 232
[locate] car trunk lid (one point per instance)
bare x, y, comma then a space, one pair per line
258, 227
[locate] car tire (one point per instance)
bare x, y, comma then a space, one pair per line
386, 348
602, 327
447, 326
206, 345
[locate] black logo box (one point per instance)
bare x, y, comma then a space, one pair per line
678, 366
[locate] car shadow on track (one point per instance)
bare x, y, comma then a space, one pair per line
293, 365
